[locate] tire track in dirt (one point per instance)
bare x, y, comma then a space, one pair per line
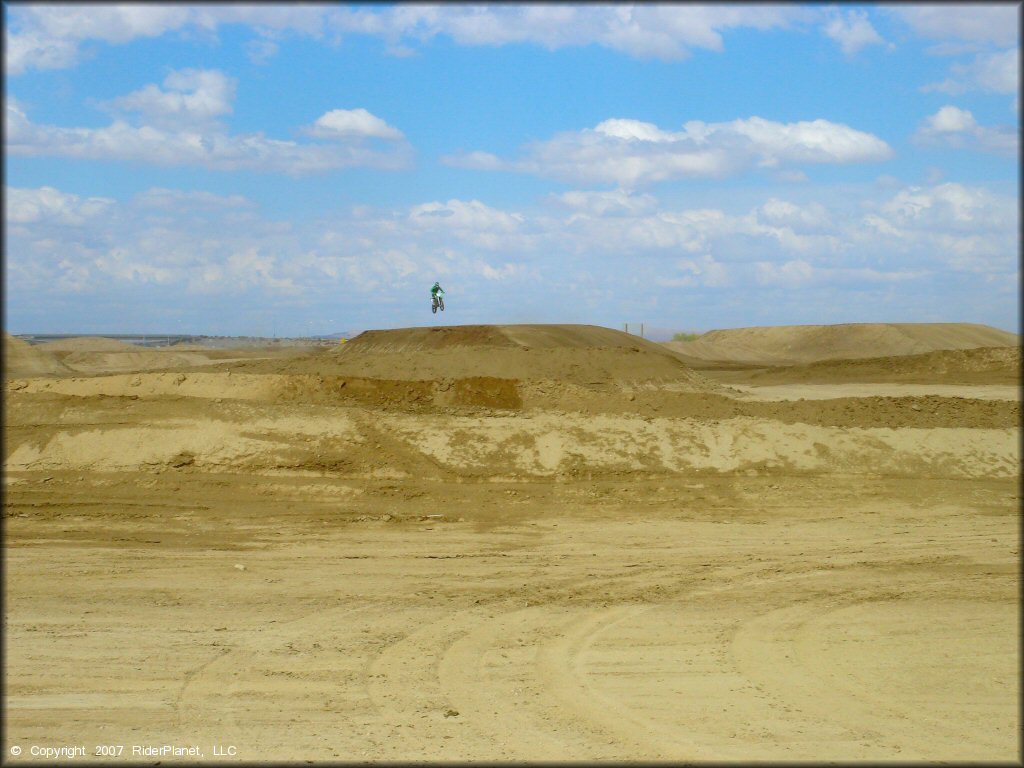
321, 648
937, 686
404, 684
501, 673
773, 706
453, 663
790, 652
564, 663
762, 650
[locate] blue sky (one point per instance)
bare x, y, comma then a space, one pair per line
285, 169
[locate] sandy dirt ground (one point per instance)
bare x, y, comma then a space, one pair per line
510, 543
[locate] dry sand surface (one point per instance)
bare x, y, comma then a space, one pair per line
490, 543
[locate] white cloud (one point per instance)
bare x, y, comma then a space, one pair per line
37, 51
949, 119
955, 127
267, 19
50, 36
189, 96
632, 153
852, 31
947, 205
791, 233
119, 264
193, 243
705, 271
470, 222
504, 272
615, 203
984, 23
792, 176
176, 139
254, 266
352, 124
789, 274
952, 226
645, 31
875, 276
479, 161
618, 128
46, 204
459, 214
816, 141
159, 197
111, 23
261, 51
676, 282
812, 216
997, 72
991, 31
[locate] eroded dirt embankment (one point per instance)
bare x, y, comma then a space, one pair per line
890, 436
487, 393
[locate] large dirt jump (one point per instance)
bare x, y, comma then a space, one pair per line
571, 354
540, 543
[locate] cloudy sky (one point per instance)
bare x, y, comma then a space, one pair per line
305, 169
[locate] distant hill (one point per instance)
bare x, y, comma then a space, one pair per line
797, 344
22, 359
982, 365
88, 344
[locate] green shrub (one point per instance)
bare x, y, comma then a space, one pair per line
684, 336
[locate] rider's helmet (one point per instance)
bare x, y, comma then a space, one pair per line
437, 284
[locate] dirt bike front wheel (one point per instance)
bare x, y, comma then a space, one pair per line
440, 303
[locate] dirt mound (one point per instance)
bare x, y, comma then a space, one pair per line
574, 355
88, 344
22, 359
984, 365
797, 344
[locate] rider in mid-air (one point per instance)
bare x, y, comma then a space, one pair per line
436, 301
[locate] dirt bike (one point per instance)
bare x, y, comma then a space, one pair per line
435, 302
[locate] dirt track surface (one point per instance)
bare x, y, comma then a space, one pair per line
568, 546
